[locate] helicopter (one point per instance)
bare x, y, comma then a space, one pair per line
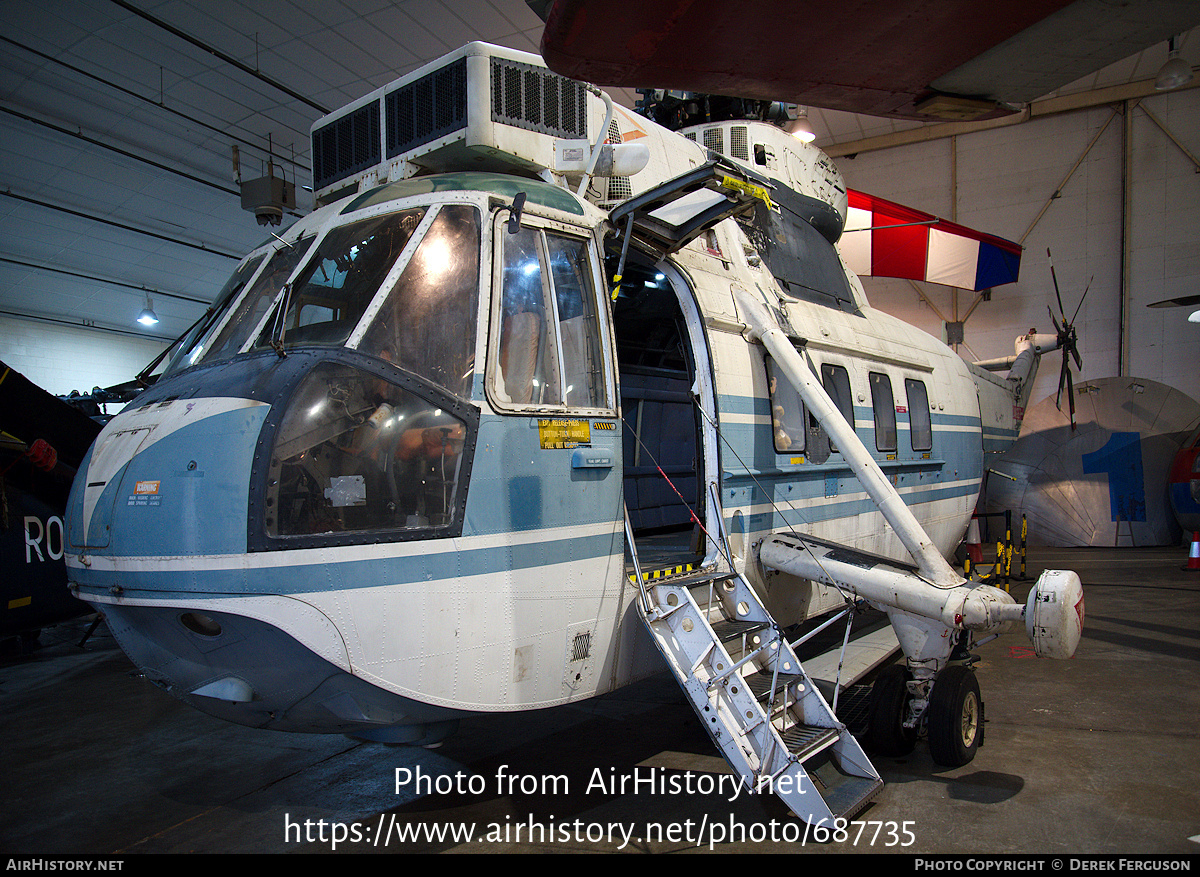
542, 396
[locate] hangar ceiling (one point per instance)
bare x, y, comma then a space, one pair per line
119, 120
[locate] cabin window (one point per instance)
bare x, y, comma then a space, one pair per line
328, 297
836, 381
549, 351
885, 412
920, 429
357, 452
787, 412
426, 323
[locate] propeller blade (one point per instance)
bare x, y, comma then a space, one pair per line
1054, 277
1081, 298
1071, 398
1075, 353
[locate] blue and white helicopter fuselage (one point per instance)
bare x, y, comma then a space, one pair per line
386, 483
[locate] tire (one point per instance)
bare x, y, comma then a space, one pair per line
886, 734
955, 717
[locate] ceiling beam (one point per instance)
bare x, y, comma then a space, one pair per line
1051, 106
204, 248
217, 53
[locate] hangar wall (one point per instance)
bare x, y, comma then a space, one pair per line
60, 359
1005, 177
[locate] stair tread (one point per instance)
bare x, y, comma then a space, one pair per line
805, 739
845, 794
849, 798
730, 630
760, 683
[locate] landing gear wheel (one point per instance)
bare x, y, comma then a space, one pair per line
955, 717
886, 734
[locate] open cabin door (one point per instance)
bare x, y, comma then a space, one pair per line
669, 445
672, 214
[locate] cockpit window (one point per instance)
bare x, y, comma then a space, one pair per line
254, 304
328, 297
189, 351
549, 352
356, 452
426, 324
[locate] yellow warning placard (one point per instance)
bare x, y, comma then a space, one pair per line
749, 188
555, 434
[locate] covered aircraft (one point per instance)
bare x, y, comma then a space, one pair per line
925, 60
42, 441
542, 395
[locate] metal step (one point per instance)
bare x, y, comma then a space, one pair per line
728, 631
760, 683
688, 575
845, 795
805, 741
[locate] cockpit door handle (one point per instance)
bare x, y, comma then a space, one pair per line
591, 458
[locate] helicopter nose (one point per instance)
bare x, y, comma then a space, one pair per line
242, 669
252, 672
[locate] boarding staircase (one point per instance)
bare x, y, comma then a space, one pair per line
759, 706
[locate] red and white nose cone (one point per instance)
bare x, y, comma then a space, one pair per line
1054, 614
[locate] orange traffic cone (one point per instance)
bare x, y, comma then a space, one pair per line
1194, 556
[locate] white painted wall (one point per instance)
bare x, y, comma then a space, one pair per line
61, 358
1006, 176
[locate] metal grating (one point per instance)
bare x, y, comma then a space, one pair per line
346, 146
854, 706
739, 145
431, 107
582, 646
714, 139
537, 100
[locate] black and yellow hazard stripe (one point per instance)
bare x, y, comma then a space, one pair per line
667, 573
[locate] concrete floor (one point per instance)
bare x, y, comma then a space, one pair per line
1099, 754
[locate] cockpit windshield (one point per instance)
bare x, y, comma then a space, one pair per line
351, 289
191, 345
224, 339
426, 323
328, 297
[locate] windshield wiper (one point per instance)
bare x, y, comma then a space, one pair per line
280, 326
